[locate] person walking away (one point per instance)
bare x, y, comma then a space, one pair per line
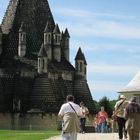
96, 123
108, 125
119, 111
132, 115
69, 113
84, 111
102, 117
114, 124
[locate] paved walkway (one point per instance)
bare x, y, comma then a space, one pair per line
93, 136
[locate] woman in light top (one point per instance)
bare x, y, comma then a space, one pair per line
84, 111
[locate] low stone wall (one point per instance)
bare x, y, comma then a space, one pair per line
5, 121
35, 121
28, 121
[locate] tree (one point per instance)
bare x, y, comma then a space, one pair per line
97, 107
112, 104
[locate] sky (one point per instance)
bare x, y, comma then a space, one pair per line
108, 32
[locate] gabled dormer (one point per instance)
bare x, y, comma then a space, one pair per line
22, 41
47, 34
42, 60
0, 40
80, 64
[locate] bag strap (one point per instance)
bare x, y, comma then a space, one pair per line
73, 108
119, 105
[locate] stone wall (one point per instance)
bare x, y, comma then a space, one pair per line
5, 121
28, 121
66, 75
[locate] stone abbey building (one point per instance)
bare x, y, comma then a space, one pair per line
35, 72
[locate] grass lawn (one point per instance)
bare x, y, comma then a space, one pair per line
26, 135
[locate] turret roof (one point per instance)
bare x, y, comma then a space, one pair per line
42, 52
56, 29
47, 28
80, 56
22, 27
66, 33
84, 59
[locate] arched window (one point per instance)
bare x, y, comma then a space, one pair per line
39, 62
43, 64
85, 72
23, 37
49, 38
80, 66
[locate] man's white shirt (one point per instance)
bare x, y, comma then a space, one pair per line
65, 108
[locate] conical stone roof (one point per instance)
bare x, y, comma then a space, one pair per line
34, 14
80, 56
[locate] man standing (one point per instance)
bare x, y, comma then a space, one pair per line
119, 111
69, 113
132, 115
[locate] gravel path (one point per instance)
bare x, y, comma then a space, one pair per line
93, 136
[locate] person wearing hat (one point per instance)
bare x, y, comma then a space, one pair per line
119, 111
132, 115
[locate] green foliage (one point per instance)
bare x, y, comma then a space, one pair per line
26, 135
93, 111
97, 106
112, 104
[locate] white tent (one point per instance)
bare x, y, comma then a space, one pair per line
133, 88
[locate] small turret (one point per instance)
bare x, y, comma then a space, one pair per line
56, 35
22, 41
56, 43
66, 38
48, 40
80, 64
42, 61
0, 40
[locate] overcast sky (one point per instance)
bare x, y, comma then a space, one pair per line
108, 31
